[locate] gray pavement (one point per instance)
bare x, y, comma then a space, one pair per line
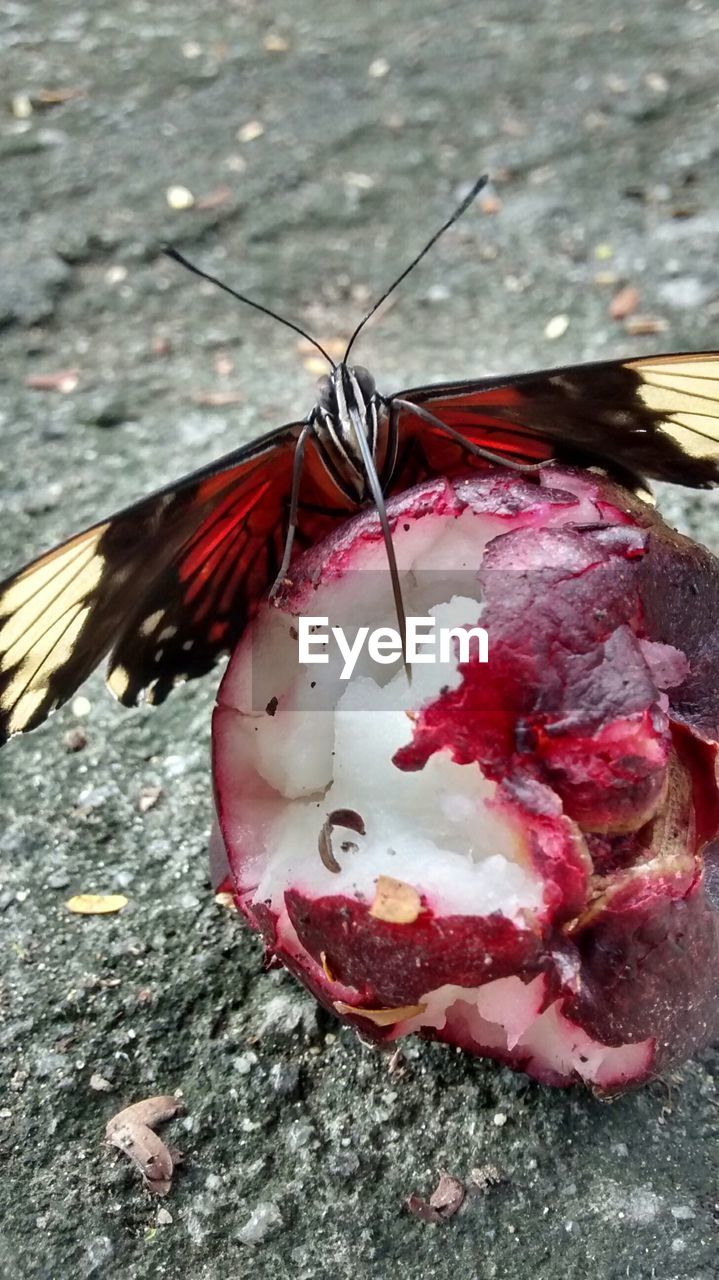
319, 143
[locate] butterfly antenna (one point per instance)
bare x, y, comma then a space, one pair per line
171, 252
461, 208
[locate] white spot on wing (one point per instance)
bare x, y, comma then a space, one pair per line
152, 622
118, 681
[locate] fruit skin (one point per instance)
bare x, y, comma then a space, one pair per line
602, 738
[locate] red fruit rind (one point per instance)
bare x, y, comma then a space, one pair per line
592, 733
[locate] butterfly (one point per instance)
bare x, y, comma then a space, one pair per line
167, 585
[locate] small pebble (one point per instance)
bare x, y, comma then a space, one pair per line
244, 1063
285, 1079
343, 1164
58, 880
275, 43
179, 197
378, 69
248, 132
148, 798
556, 327
99, 1083
21, 106
360, 181
264, 1220
235, 163
683, 1212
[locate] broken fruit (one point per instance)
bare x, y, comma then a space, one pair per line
515, 855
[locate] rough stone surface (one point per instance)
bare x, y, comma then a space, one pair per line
320, 143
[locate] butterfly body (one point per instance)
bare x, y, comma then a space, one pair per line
349, 407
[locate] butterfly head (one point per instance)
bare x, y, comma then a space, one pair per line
346, 384
349, 419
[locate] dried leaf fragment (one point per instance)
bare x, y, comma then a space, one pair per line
624, 302
217, 399
215, 198
447, 1195
96, 904
443, 1203
395, 901
638, 325
381, 1017
488, 200
57, 97
132, 1132
148, 798
223, 365
226, 900
149, 1111
64, 381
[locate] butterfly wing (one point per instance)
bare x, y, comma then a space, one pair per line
174, 559
655, 417
199, 604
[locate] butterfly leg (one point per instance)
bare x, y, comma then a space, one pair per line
391, 443
294, 503
499, 458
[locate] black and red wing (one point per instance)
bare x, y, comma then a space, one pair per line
201, 601
655, 417
166, 585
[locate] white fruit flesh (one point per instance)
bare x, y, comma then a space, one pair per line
295, 743
438, 829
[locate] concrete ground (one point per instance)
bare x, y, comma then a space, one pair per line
319, 144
